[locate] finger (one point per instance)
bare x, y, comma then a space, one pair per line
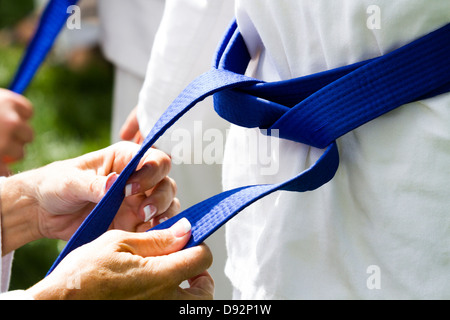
113, 158
160, 199
122, 153
23, 107
110, 179
173, 210
90, 187
131, 126
201, 288
23, 133
13, 151
17, 134
186, 264
160, 242
154, 168
138, 138
21, 104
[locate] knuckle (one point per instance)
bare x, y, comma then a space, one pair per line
173, 185
167, 162
206, 255
11, 122
176, 204
161, 240
114, 235
124, 145
162, 161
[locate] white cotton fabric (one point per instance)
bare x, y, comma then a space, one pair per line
127, 31
388, 204
184, 49
6, 261
6, 266
380, 228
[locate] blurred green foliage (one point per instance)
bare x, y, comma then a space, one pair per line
72, 112
12, 11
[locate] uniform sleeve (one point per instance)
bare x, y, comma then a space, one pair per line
16, 295
6, 261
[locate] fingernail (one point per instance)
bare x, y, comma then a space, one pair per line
110, 180
131, 188
150, 212
163, 219
181, 228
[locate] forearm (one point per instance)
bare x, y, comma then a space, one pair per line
18, 211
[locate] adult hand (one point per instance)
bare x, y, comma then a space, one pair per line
122, 265
15, 131
4, 170
130, 129
149, 193
52, 201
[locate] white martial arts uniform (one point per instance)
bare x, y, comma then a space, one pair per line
127, 31
183, 49
380, 228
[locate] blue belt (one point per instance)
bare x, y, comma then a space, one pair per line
314, 110
52, 20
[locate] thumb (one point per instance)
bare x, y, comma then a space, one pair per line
201, 287
131, 126
97, 186
161, 242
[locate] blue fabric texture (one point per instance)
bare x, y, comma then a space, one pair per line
52, 20
314, 110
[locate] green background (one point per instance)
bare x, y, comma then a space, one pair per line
72, 114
